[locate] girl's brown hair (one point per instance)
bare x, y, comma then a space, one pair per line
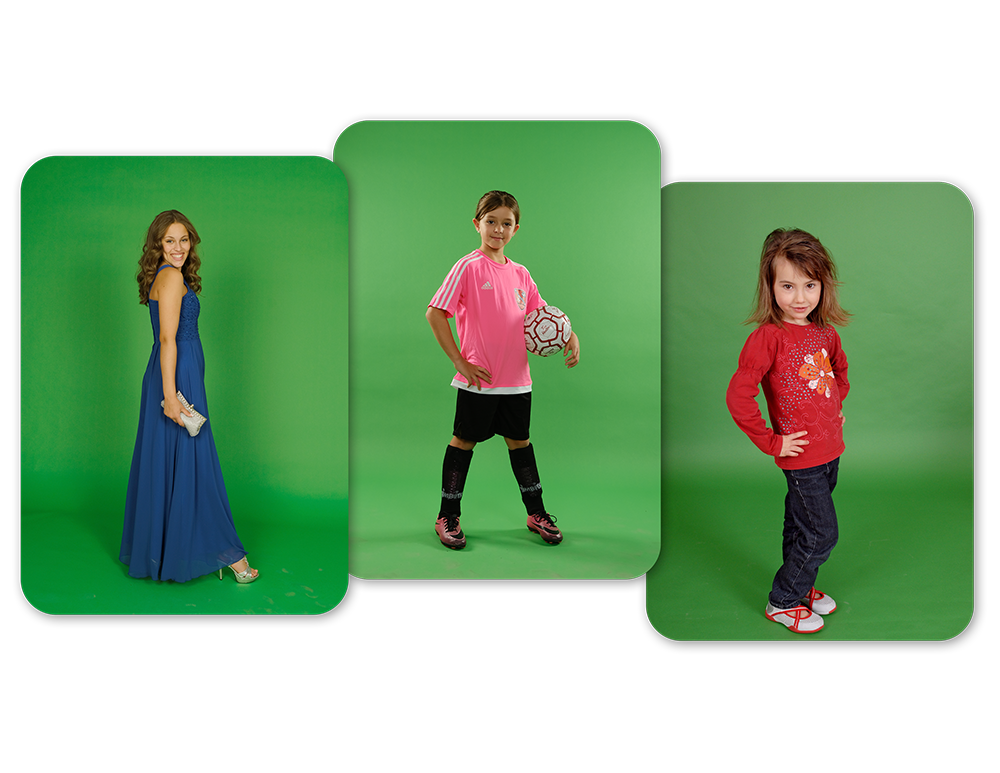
808, 255
152, 254
495, 200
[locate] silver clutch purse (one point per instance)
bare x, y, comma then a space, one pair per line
192, 422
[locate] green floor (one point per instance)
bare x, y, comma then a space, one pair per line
902, 570
69, 565
609, 532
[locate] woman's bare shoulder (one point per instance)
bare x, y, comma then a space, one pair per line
170, 280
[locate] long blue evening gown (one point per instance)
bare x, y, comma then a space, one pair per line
178, 524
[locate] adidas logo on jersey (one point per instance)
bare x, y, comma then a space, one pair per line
486, 286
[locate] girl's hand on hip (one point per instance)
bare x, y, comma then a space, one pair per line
791, 445
842, 419
474, 374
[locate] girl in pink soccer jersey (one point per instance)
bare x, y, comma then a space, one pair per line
795, 355
489, 296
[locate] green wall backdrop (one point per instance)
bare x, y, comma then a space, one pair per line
588, 193
903, 568
273, 325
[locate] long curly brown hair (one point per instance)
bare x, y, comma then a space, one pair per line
152, 254
808, 255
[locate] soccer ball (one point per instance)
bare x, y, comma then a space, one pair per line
546, 331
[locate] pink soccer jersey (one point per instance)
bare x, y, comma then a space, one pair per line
489, 301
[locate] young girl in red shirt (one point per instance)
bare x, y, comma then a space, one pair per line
796, 357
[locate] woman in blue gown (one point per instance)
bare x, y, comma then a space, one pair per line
178, 524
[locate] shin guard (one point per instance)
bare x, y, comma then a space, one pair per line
456, 468
522, 461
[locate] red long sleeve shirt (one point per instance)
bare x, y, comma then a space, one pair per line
803, 372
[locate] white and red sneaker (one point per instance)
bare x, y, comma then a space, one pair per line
798, 619
819, 603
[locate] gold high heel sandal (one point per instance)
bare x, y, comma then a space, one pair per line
246, 575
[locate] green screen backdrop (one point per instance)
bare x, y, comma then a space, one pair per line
273, 326
588, 193
903, 568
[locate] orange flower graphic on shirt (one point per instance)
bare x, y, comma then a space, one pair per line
818, 371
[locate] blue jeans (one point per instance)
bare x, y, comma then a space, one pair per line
810, 532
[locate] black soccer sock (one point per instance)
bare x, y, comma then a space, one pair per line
456, 467
522, 461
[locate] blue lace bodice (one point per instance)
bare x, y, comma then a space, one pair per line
187, 326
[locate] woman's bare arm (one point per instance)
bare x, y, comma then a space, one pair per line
170, 292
